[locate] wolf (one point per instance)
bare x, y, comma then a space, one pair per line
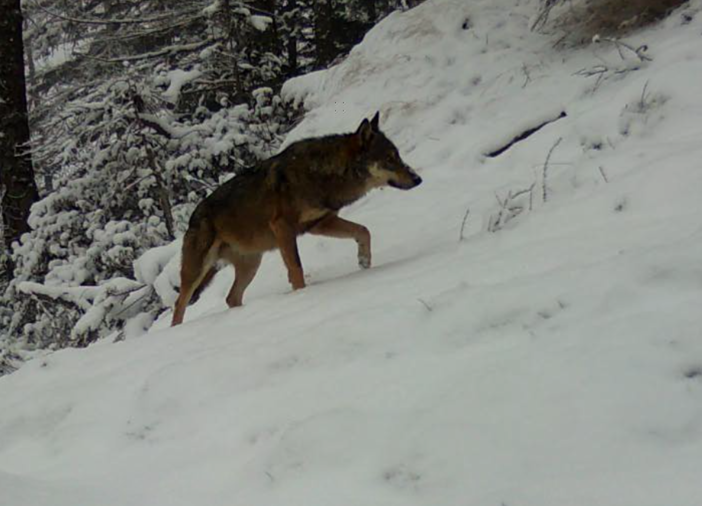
299, 191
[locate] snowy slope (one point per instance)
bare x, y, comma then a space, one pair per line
556, 361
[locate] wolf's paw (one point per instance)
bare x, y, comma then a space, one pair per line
364, 262
296, 279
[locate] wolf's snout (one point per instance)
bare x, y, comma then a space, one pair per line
408, 179
414, 178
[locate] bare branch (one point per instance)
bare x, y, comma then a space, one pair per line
168, 50
126, 21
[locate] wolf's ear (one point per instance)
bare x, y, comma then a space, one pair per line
375, 122
365, 132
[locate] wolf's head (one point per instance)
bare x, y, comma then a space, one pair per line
382, 159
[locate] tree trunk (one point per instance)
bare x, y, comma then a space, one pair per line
324, 42
19, 190
372, 10
291, 27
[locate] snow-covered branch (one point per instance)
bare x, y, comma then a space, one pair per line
122, 21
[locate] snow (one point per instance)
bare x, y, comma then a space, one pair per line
213, 8
160, 267
177, 79
260, 23
79, 295
62, 54
149, 266
556, 361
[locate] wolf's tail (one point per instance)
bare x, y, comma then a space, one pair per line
204, 283
198, 263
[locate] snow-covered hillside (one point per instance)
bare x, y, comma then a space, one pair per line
551, 357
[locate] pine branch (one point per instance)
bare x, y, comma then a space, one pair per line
125, 21
168, 50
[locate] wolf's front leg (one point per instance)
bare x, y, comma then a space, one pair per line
287, 243
333, 226
364, 254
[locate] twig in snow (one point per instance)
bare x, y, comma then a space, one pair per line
463, 224
607, 70
642, 102
604, 176
602, 72
527, 75
598, 70
426, 305
530, 191
545, 172
510, 208
639, 52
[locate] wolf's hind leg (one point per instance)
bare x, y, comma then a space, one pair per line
333, 226
245, 267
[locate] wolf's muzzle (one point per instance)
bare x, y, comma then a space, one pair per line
406, 185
